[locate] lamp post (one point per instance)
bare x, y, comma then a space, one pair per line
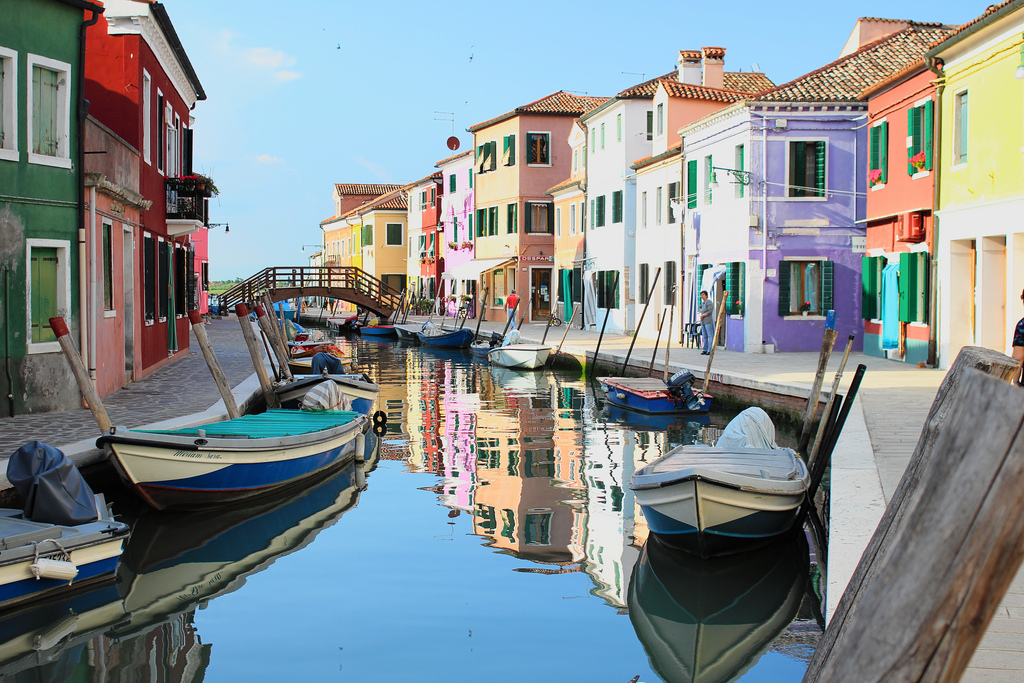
227, 228
740, 176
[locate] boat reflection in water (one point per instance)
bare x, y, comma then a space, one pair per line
175, 562
711, 620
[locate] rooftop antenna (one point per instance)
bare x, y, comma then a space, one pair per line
634, 73
448, 116
577, 92
754, 67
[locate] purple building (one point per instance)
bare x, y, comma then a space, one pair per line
775, 201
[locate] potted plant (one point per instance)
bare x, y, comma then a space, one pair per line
195, 183
875, 176
739, 307
805, 307
454, 246
917, 161
467, 245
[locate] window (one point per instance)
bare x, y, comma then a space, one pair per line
204, 267
691, 184
661, 119
423, 200
393, 235
163, 290
673, 192
919, 135
455, 228
960, 128
171, 142
599, 212
512, 218
593, 139
670, 283
607, 289
807, 168
537, 529
481, 222
433, 195
739, 159
538, 148
644, 283
735, 274
181, 290
469, 228
423, 245
367, 236
575, 160
709, 165
8, 104
617, 206
149, 277
451, 183
643, 209
572, 219
558, 222
805, 285
48, 289
583, 216
49, 125
657, 206
650, 125
508, 156
492, 220
108, 268
583, 156
159, 130
602, 136
618, 128
486, 157
540, 217
147, 117
878, 154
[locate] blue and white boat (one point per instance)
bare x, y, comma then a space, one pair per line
378, 331
454, 339
357, 387
234, 459
737, 495
653, 396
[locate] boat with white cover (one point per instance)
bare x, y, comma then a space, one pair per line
512, 354
739, 494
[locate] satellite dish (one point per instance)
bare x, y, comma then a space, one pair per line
453, 143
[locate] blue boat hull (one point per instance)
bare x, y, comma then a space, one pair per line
382, 331
32, 588
662, 405
459, 339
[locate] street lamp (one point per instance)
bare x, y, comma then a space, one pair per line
318, 246
741, 177
227, 228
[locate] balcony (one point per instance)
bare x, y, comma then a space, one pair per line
187, 211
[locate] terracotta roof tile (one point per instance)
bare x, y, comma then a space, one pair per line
699, 92
564, 185
991, 9
647, 89
749, 82
846, 78
455, 156
655, 158
364, 189
560, 103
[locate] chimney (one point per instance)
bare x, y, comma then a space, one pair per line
689, 67
714, 67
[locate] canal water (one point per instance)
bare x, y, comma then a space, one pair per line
490, 536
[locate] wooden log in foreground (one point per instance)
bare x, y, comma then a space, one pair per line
85, 385
949, 544
199, 328
276, 343
249, 335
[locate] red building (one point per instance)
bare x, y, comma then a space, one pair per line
897, 273
142, 87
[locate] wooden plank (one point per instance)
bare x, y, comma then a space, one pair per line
933, 465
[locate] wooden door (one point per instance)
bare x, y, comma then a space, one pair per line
540, 293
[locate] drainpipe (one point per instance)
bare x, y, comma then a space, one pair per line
583, 224
91, 233
935, 64
82, 110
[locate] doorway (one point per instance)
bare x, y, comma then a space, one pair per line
540, 293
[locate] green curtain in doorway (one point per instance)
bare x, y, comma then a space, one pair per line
567, 293
172, 327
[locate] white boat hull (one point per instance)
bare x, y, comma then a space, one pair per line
520, 356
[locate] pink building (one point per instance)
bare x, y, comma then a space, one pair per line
457, 205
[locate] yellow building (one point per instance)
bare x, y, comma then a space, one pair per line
979, 157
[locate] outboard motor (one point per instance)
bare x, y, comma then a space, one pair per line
495, 340
680, 388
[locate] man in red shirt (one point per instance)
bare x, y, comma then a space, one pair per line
510, 304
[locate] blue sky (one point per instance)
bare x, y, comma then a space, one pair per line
302, 96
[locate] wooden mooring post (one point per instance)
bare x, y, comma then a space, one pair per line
254, 351
276, 343
199, 328
949, 543
85, 385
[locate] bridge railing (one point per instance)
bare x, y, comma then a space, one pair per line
314, 281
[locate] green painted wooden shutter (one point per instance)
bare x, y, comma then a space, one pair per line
617, 206
691, 184
481, 222
914, 133
869, 279
874, 154
643, 284
650, 125
451, 183
492, 220
827, 268
734, 276
929, 123
785, 273
593, 213
912, 287
527, 217
551, 218
819, 167
883, 150
798, 169
44, 292
471, 179
494, 154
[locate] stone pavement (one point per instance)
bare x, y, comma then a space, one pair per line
876, 444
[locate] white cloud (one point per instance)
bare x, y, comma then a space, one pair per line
265, 56
287, 75
267, 159
374, 168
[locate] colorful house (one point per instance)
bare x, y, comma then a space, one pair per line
142, 87
519, 156
426, 241
980, 240
42, 268
457, 207
380, 226
570, 227
898, 289
776, 196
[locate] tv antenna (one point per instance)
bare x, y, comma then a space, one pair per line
447, 116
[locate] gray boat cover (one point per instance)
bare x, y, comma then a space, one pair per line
326, 396
54, 490
750, 429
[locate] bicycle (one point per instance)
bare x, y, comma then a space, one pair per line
553, 319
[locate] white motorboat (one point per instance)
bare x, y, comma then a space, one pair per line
512, 354
408, 333
739, 494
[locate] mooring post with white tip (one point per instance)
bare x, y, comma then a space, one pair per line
85, 385
199, 328
276, 343
254, 351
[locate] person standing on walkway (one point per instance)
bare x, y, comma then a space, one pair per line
707, 322
510, 304
1018, 345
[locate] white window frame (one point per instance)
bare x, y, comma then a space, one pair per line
958, 131
659, 122
659, 194
643, 209
387, 237
572, 219
558, 221
170, 138
789, 143
159, 167
63, 290
147, 117
63, 157
9, 95
526, 154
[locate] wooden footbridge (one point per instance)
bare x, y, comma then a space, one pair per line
346, 283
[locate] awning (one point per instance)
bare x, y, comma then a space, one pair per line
470, 270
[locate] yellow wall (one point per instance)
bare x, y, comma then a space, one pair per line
995, 123
379, 259
499, 187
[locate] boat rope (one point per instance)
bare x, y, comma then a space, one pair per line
62, 556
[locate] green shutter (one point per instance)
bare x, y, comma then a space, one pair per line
551, 219
819, 167
691, 184
923, 266
600, 211
734, 275
527, 217
494, 154
451, 183
874, 158
510, 218
481, 222
883, 150
929, 123
511, 150
44, 292
471, 179
708, 172
869, 281
912, 281
650, 125
617, 206
469, 231
914, 133
785, 273
827, 269
798, 169
593, 213
741, 152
